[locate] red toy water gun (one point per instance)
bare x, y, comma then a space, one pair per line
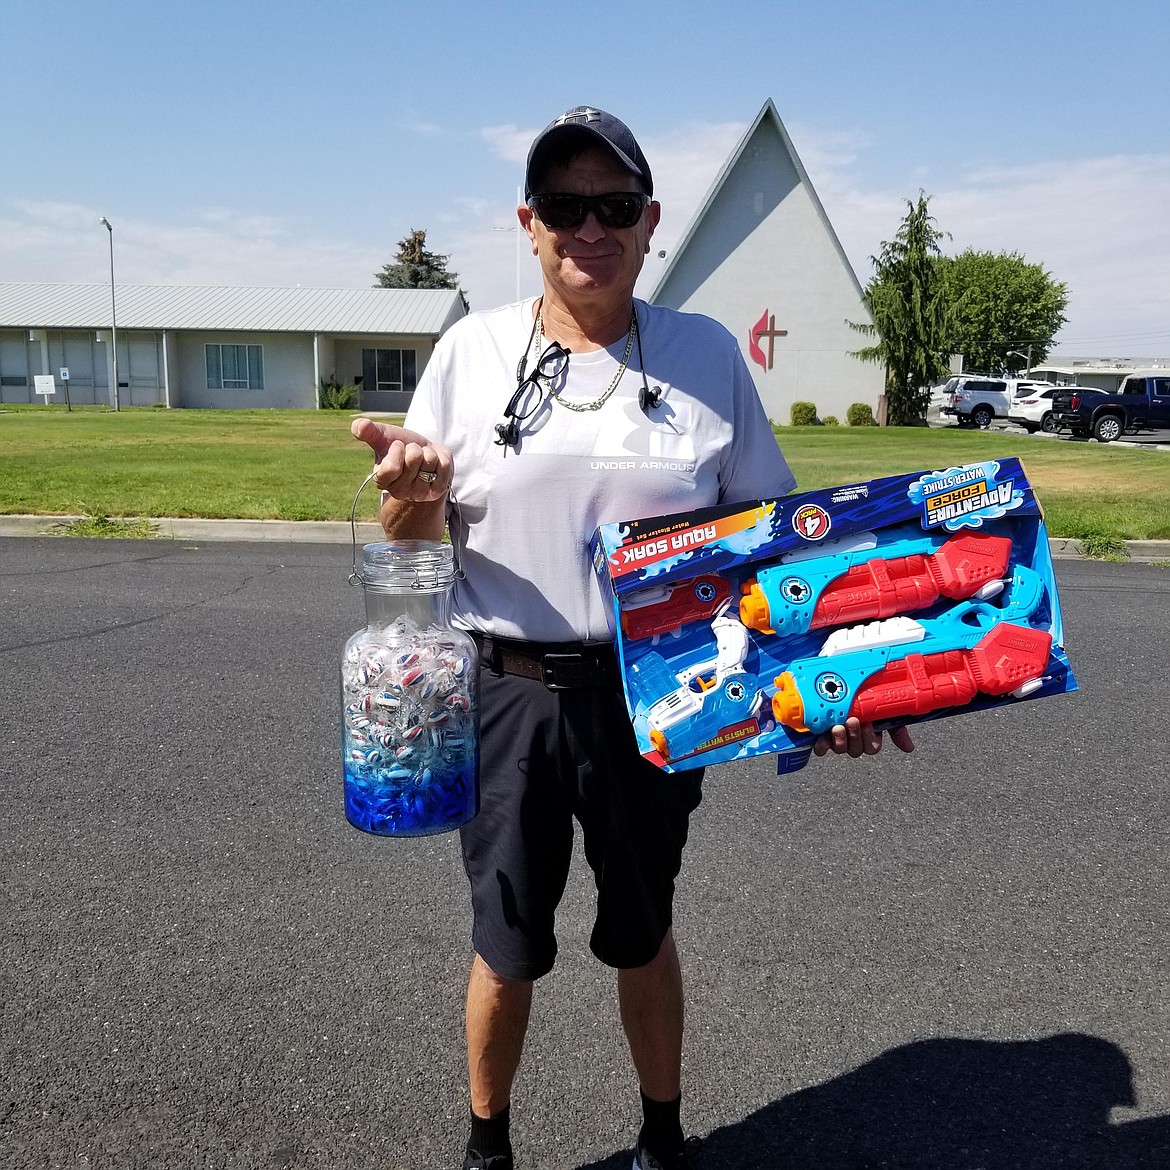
666, 609
836, 589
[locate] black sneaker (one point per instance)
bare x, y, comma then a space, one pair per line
683, 1160
473, 1160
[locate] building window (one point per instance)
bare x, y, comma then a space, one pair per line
235, 367
388, 369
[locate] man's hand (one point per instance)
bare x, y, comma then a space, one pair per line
408, 465
860, 739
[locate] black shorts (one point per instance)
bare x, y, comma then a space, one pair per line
547, 757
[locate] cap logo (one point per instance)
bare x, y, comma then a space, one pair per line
588, 115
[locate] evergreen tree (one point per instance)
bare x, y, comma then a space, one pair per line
911, 314
418, 268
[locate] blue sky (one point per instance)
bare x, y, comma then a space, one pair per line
296, 143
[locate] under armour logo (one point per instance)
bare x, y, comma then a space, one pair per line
587, 115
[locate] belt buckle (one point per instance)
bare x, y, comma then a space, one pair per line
555, 667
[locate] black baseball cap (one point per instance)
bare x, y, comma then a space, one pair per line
588, 122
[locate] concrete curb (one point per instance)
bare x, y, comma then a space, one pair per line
1140, 551
176, 528
338, 532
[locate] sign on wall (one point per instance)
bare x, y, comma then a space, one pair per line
764, 327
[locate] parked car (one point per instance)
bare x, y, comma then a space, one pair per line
977, 399
1032, 407
1142, 403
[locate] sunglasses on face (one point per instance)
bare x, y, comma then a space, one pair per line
621, 209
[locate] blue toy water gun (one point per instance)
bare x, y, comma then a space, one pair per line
709, 704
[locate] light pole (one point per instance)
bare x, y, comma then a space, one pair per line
520, 234
113, 311
1026, 356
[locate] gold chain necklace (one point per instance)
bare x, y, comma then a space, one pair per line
599, 402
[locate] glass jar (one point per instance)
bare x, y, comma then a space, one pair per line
409, 698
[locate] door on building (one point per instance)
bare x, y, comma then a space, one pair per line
142, 377
16, 378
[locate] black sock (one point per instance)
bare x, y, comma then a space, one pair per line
661, 1125
489, 1135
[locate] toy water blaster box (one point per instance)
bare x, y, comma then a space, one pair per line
752, 628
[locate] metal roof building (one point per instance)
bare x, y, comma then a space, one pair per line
1105, 373
220, 346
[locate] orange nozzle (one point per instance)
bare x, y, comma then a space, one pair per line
753, 608
786, 703
659, 742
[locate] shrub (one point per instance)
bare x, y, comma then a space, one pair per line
1103, 546
99, 524
860, 414
339, 395
804, 414
830, 420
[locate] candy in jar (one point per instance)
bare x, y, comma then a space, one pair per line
409, 698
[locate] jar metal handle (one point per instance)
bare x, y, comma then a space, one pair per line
355, 578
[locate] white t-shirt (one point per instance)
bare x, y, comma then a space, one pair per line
524, 517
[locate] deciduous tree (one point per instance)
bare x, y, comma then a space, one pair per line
1002, 308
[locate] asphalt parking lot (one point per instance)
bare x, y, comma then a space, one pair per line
945, 961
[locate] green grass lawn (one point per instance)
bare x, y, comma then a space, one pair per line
303, 465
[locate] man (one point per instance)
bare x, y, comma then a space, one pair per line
531, 425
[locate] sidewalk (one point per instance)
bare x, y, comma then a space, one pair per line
338, 532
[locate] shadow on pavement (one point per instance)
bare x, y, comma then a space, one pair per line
952, 1104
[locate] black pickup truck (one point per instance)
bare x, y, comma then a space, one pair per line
1142, 403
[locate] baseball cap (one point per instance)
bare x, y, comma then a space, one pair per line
604, 128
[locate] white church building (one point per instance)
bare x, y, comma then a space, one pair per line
761, 257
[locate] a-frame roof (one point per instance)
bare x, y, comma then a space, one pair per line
768, 115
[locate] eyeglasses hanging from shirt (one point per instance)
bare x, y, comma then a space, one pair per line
552, 365
530, 390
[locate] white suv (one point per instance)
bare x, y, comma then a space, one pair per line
978, 399
1032, 407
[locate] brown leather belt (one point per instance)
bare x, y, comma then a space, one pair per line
560, 666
